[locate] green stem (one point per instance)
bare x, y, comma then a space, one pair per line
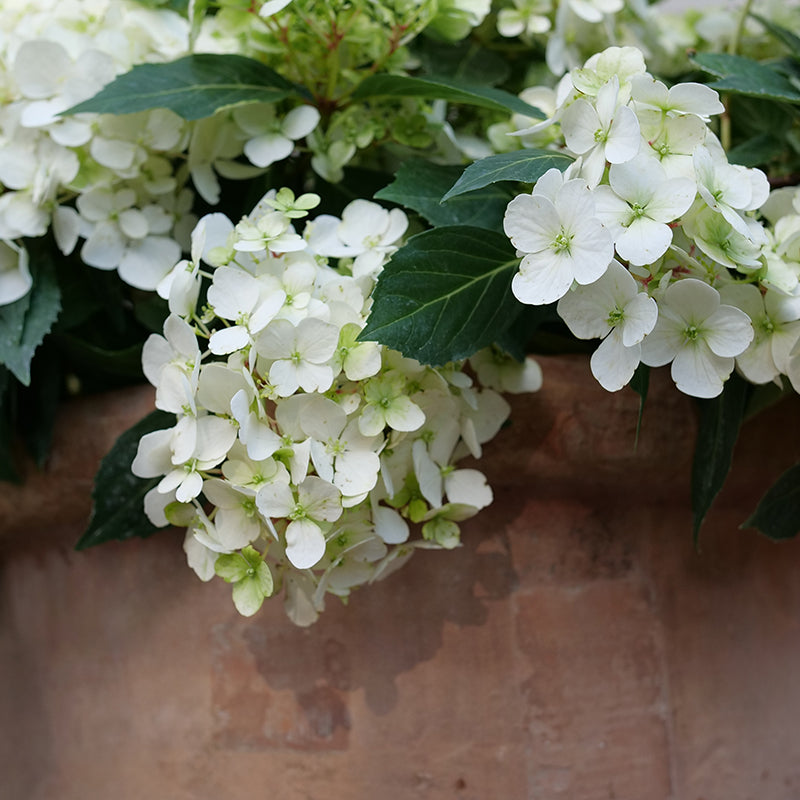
733, 47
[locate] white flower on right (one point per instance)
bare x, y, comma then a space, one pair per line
699, 335
555, 227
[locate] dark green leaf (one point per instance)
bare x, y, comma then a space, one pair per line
419, 185
778, 513
150, 311
756, 152
444, 88
25, 323
118, 495
516, 338
742, 75
465, 60
83, 355
8, 470
39, 403
718, 429
193, 87
791, 40
523, 166
445, 295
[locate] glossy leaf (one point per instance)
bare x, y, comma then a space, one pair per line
440, 87
445, 295
757, 151
522, 166
25, 323
419, 185
741, 75
8, 469
193, 87
778, 513
118, 495
718, 430
462, 60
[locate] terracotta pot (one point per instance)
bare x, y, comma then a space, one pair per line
576, 647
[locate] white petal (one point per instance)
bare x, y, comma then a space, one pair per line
545, 277
145, 263
403, 415
389, 525
729, 331
267, 149
305, 544
579, 124
215, 436
104, 247
300, 121
468, 487
624, 138
641, 314
275, 500
698, 372
644, 241
428, 474
612, 363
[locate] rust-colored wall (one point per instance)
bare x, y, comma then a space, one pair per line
575, 647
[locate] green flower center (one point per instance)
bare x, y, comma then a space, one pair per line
561, 243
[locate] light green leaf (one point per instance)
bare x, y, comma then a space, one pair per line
445, 295
24, 324
193, 87
740, 75
778, 513
522, 166
231, 567
249, 593
118, 495
718, 430
444, 88
419, 185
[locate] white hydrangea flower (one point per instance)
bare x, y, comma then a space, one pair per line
271, 139
600, 132
556, 228
316, 502
615, 310
637, 206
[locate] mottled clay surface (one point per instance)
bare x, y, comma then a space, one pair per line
576, 647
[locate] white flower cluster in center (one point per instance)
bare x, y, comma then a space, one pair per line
300, 454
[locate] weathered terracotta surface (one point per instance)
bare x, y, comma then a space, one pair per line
576, 647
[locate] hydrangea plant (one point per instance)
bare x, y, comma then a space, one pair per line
331, 235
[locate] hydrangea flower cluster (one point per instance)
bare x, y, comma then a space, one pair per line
649, 239
301, 456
